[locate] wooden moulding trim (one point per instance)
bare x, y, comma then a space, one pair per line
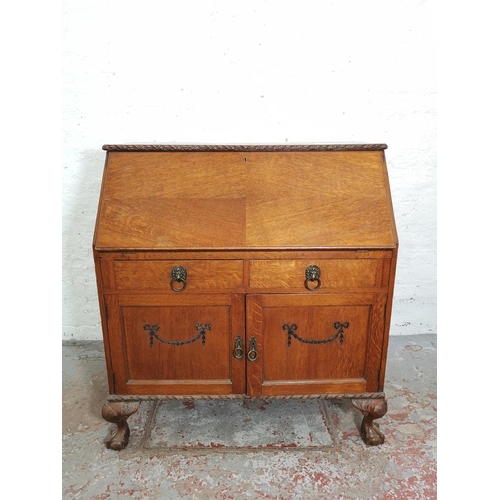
243, 148
363, 395
247, 249
243, 254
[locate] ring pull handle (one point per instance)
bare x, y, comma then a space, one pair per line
252, 354
312, 281
238, 352
179, 275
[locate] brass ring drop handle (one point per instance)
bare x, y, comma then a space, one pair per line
312, 273
238, 351
252, 354
179, 275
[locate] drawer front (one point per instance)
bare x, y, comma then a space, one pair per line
290, 275
200, 275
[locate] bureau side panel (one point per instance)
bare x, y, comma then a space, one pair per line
387, 321
102, 280
99, 206
388, 195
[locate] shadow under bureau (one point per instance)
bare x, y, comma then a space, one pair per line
245, 271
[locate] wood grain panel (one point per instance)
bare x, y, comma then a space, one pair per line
215, 200
195, 361
179, 299
238, 366
308, 299
179, 388
386, 272
143, 223
175, 175
254, 330
116, 362
318, 199
340, 386
299, 176
387, 315
226, 254
107, 274
376, 343
300, 361
315, 223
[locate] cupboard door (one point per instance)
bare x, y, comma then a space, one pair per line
176, 345
315, 344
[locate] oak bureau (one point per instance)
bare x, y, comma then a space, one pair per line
245, 271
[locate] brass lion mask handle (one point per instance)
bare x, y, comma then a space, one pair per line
312, 282
179, 275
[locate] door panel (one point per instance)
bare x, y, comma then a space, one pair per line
177, 343
302, 343
171, 345
315, 344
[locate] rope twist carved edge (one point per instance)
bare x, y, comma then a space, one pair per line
243, 148
229, 397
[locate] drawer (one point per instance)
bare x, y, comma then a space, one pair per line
334, 273
201, 275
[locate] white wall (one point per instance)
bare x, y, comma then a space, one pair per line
251, 72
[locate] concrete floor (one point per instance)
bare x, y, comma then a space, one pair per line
244, 450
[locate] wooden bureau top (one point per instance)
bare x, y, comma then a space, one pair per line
173, 197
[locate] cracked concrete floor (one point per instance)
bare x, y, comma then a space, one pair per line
296, 449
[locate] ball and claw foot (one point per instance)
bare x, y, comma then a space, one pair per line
371, 409
117, 412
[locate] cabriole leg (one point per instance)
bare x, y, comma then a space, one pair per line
117, 413
371, 409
